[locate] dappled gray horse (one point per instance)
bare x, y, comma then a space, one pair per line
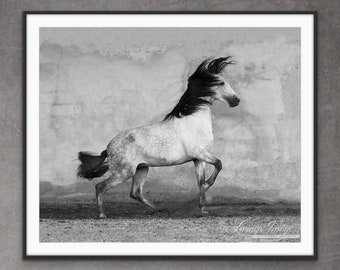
184, 135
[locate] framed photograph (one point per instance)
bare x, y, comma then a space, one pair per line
170, 134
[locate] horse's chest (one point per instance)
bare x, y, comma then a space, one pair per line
202, 136
205, 136
198, 133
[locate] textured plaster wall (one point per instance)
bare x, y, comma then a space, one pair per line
95, 83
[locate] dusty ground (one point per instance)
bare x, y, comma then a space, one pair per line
132, 222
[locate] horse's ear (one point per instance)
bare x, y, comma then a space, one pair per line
216, 66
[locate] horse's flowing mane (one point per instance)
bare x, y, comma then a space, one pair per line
199, 87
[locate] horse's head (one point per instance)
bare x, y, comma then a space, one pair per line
224, 92
209, 75
205, 86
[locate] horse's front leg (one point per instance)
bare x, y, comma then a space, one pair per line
200, 173
205, 156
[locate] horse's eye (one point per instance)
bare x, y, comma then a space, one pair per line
222, 83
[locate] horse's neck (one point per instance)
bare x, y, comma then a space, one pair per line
201, 118
199, 122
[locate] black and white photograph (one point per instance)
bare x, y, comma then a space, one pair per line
170, 135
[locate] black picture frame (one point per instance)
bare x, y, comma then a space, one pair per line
129, 257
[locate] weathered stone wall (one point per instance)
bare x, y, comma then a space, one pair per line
97, 82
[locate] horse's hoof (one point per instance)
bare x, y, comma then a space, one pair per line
102, 216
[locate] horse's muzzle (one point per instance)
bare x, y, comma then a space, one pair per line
233, 101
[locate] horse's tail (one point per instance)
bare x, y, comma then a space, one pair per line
92, 166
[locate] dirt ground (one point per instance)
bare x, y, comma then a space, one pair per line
133, 222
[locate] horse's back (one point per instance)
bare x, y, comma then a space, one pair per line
154, 145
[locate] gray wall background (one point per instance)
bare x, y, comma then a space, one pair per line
11, 143
97, 82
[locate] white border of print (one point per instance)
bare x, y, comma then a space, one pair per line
303, 21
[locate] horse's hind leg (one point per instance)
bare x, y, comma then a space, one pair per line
200, 173
104, 186
138, 181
